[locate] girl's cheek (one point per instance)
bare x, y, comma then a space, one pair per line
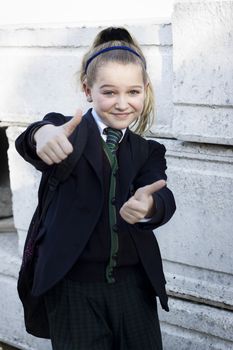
105, 104
103, 101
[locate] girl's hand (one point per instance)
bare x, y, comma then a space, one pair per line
52, 143
141, 204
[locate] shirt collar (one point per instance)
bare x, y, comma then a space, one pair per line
102, 126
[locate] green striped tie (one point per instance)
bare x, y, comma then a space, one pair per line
113, 138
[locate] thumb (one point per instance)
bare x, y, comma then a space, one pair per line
71, 125
150, 189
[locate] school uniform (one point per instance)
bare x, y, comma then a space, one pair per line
94, 266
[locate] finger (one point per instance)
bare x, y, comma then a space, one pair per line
135, 213
53, 156
53, 150
48, 157
58, 151
71, 125
150, 189
65, 144
45, 158
128, 217
135, 207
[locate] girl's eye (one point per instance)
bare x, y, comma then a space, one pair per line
134, 92
109, 93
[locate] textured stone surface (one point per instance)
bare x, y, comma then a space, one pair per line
207, 124
210, 323
203, 71
153, 33
190, 326
160, 70
205, 58
24, 185
198, 240
11, 321
26, 95
199, 284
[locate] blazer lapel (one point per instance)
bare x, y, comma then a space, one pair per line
93, 149
126, 169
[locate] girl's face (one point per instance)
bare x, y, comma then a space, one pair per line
118, 94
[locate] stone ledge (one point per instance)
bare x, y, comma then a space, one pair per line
21, 36
7, 225
203, 124
199, 285
177, 338
200, 321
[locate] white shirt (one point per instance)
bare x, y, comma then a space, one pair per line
102, 126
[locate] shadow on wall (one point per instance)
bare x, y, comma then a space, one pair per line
7, 347
5, 191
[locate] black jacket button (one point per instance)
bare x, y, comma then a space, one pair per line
113, 201
115, 228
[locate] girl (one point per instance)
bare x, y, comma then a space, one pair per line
99, 267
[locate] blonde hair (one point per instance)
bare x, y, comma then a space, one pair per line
112, 37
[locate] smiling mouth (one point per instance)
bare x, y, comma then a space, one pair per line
122, 115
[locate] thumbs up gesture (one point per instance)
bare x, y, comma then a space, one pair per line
52, 143
141, 204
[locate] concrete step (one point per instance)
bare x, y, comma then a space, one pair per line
7, 225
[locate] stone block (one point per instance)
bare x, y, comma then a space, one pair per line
37, 83
154, 33
199, 284
24, 185
207, 124
196, 327
203, 71
160, 71
198, 239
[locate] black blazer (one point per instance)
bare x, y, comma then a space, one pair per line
76, 208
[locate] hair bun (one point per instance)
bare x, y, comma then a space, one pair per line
115, 33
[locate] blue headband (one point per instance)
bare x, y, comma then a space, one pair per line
126, 48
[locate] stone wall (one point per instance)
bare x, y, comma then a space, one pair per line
189, 61
197, 243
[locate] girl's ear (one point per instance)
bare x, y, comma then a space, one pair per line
87, 91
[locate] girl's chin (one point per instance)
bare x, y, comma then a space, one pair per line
121, 124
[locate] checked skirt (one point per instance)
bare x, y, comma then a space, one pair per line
103, 316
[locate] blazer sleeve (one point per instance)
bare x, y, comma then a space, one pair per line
24, 143
154, 169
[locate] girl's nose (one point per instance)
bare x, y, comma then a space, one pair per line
121, 103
